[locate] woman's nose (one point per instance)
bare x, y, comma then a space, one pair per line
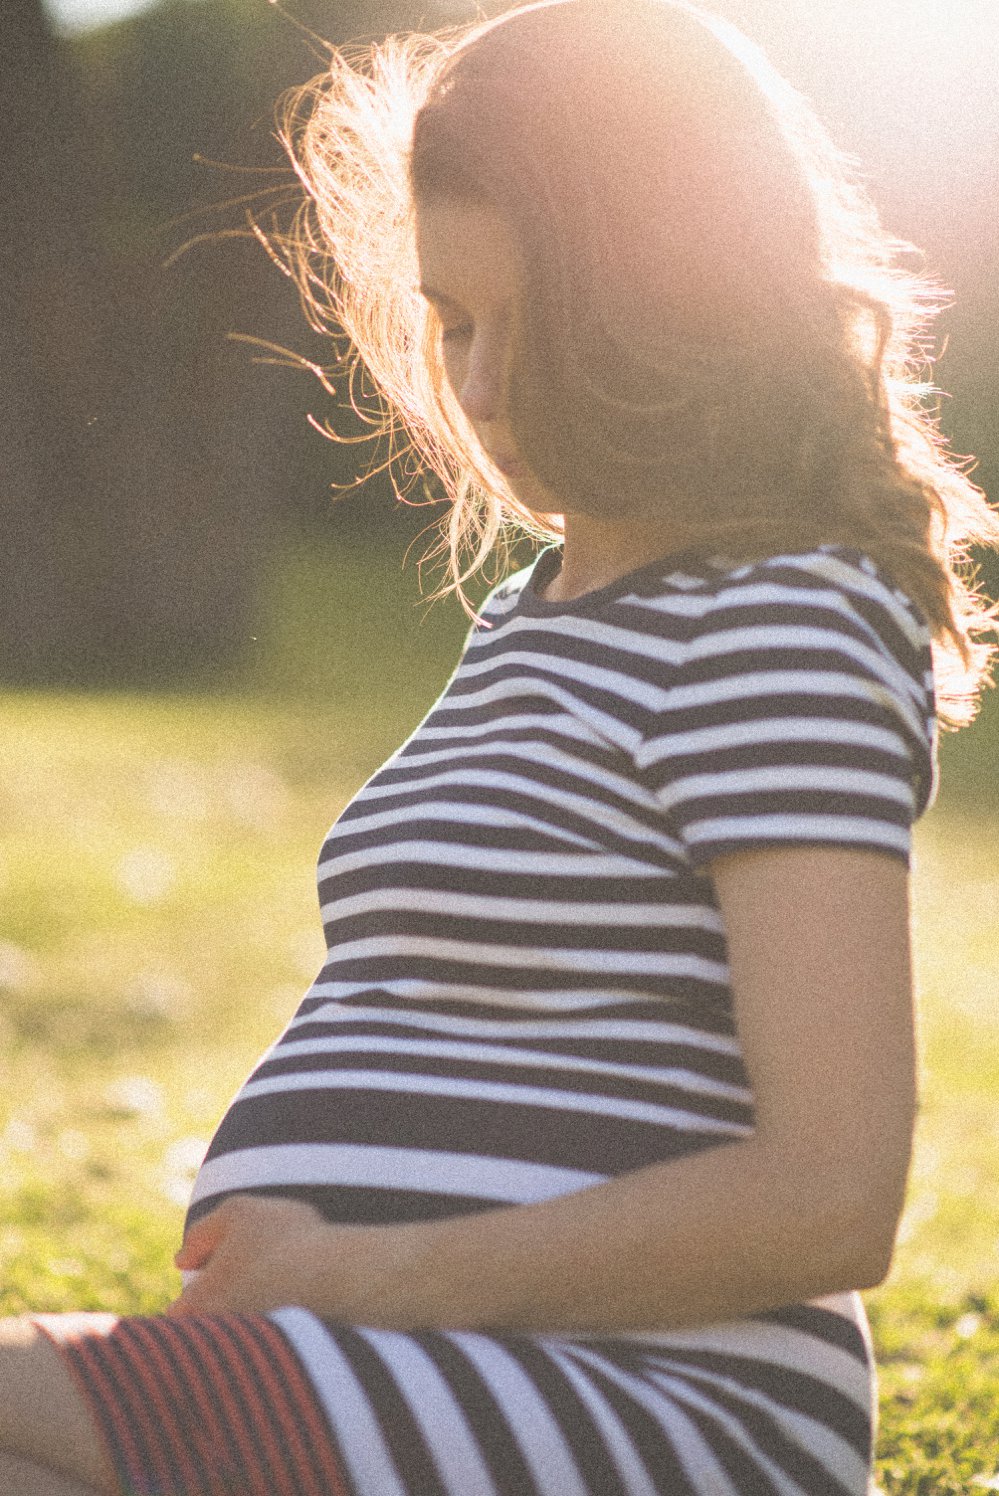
482, 392
484, 386
479, 400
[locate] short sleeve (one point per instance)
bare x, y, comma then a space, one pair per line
801, 713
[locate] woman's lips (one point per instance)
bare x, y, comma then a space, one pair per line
508, 466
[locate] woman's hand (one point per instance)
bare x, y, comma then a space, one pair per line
253, 1253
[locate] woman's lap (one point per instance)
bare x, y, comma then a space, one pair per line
208, 1405
284, 1405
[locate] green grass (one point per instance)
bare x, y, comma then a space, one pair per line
936, 1319
159, 925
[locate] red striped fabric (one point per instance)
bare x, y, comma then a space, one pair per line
207, 1405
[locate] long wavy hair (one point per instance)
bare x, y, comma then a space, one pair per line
713, 314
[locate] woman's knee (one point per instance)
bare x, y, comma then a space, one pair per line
44, 1417
26, 1478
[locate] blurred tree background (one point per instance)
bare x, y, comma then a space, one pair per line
151, 470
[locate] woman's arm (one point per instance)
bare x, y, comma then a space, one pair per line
819, 950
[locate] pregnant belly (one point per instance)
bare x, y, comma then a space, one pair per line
413, 1137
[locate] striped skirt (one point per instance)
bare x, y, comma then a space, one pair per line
284, 1404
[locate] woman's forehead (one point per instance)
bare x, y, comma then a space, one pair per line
467, 252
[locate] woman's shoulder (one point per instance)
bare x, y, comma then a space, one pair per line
800, 661
832, 620
831, 567
833, 585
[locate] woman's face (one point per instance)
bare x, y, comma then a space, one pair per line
470, 271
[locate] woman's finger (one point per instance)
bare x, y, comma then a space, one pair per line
201, 1239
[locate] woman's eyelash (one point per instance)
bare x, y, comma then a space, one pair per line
451, 333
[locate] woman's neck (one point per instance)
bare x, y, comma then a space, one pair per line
597, 552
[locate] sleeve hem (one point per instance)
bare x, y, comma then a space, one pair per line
701, 855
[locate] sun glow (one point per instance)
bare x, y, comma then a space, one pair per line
70, 16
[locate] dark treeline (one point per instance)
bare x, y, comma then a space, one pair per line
148, 464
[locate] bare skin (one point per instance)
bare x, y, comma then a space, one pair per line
28, 1479
49, 1445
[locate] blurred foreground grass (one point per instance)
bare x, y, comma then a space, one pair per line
159, 924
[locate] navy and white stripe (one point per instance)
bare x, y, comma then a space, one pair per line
527, 992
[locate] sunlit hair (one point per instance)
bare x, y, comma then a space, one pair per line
714, 322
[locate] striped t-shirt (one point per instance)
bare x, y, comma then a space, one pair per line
526, 989
527, 992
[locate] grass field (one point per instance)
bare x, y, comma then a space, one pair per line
159, 925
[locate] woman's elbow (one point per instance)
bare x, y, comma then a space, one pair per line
852, 1252
857, 1202
876, 1262
886, 1205
851, 1233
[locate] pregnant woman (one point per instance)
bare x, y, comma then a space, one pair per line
565, 1175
